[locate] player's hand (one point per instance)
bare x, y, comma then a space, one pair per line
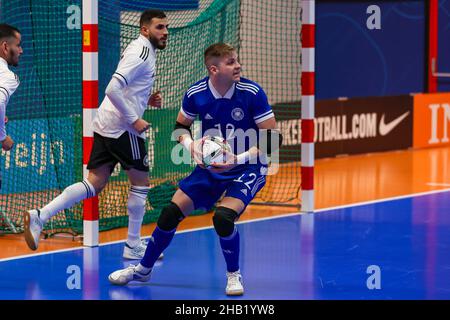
7, 144
155, 100
140, 125
197, 151
230, 163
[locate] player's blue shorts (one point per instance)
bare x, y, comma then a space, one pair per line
205, 189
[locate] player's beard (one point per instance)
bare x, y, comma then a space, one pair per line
156, 43
13, 59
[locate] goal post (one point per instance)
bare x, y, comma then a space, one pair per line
90, 105
307, 114
70, 53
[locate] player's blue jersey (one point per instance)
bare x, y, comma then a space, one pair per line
233, 117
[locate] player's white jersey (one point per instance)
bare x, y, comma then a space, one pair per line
137, 70
8, 85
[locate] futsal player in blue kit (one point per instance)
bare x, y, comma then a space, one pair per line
232, 107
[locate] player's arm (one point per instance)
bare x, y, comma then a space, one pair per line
183, 134
8, 86
268, 134
270, 140
155, 100
128, 69
114, 91
5, 140
182, 130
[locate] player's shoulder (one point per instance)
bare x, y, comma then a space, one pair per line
197, 88
8, 76
136, 50
5, 72
248, 86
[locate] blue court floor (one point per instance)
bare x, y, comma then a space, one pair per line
400, 246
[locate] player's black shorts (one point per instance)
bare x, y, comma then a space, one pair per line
128, 149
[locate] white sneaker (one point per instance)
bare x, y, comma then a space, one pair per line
137, 252
234, 284
123, 276
33, 227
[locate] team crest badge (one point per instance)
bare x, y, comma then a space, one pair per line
237, 114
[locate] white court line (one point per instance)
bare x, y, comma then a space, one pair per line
41, 253
357, 204
412, 195
437, 184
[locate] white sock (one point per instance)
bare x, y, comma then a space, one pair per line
141, 269
136, 210
70, 196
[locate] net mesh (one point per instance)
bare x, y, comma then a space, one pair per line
45, 114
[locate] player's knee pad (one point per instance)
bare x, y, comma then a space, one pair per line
223, 220
170, 217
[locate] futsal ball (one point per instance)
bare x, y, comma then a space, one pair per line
214, 150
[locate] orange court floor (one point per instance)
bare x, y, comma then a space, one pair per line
338, 181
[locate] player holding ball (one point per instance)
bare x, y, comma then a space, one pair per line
233, 108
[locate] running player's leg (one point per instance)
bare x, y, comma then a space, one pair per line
93, 185
100, 167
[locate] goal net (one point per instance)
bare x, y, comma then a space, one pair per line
45, 113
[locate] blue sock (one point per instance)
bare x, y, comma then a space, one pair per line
230, 250
156, 245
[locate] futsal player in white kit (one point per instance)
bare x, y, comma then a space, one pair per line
118, 136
